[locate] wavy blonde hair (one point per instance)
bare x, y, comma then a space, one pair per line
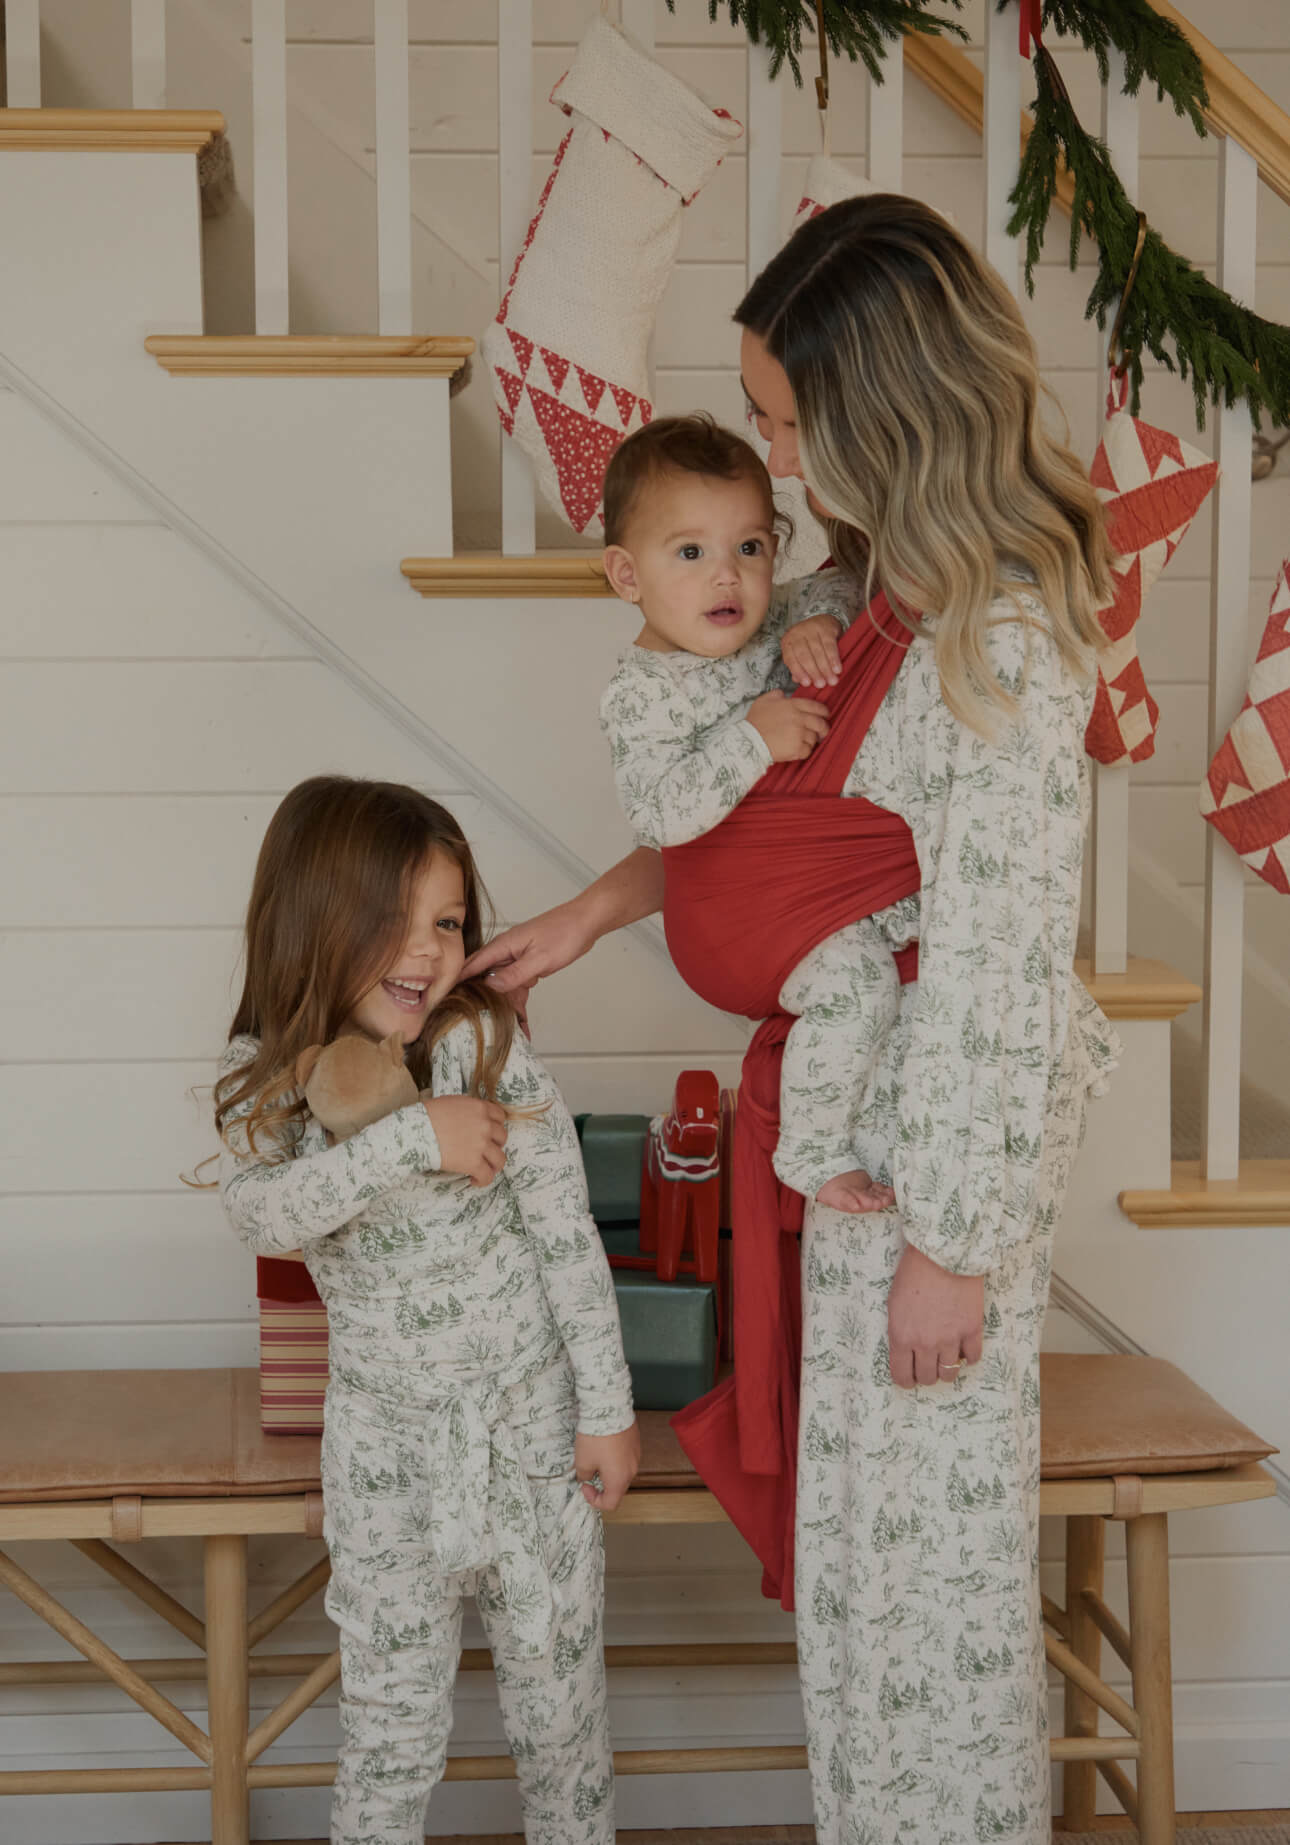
327, 916
917, 394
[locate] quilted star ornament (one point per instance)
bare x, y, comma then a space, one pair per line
1152, 486
1246, 793
568, 349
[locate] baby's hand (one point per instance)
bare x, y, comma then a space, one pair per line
616, 1458
471, 1135
790, 727
810, 650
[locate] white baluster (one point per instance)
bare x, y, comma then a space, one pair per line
1238, 187
22, 54
514, 168
764, 142
147, 54
885, 127
638, 20
1110, 841
269, 132
1002, 137
393, 168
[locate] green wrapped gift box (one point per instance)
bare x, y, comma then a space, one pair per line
669, 1327
669, 1330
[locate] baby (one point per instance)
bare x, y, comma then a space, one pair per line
698, 710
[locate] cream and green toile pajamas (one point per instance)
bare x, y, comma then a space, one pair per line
684, 756
471, 1333
919, 1631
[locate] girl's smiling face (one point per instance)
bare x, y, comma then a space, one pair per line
428, 965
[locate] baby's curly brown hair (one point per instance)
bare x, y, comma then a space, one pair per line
694, 444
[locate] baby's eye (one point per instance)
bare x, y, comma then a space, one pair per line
450, 923
691, 553
751, 547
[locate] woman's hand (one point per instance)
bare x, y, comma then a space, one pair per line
518, 958
471, 1135
616, 1458
934, 1320
810, 650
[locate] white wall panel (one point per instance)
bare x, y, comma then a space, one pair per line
168, 727
126, 591
136, 1258
44, 476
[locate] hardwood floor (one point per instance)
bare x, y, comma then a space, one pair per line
805, 1835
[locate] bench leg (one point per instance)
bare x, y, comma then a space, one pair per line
1085, 1547
1147, 1542
227, 1687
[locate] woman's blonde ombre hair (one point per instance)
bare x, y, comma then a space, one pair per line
917, 395
327, 917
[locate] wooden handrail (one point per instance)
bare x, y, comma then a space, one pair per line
1237, 106
952, 76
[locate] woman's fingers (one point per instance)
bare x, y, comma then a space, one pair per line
972, 1346
926, 1365
901, 1364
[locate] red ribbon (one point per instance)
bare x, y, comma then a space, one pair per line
1031, 26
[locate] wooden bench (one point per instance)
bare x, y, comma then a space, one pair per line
112, 1458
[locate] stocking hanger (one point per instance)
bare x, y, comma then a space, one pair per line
822, 81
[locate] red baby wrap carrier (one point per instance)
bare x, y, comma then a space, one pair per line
793, 863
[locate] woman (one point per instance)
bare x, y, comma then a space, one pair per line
890, 370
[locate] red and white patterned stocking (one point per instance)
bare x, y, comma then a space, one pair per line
1246, 794
1152, 486
567, 351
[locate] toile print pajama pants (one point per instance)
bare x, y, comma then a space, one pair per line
540, 1599
919, 1630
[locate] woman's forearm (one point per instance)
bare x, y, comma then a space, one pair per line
628, 891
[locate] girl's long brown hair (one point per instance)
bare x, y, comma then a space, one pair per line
329, 907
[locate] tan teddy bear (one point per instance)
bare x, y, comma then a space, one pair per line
353, 1081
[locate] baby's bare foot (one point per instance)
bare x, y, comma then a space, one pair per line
855, 1192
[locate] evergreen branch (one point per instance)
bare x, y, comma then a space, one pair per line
1153, 48
1175, 313
857, 29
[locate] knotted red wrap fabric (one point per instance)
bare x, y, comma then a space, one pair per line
793, 863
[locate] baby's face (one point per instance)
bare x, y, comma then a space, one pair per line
699, 558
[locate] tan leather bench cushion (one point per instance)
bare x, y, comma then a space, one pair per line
162, 1434
196, 1434
1104, 1414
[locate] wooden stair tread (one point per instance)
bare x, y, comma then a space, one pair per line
1146, 990
344, 355
1260, 1194
110, 130
488, 573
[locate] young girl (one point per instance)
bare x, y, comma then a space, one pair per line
479, 1409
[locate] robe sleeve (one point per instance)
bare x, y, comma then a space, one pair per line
999, 827
278, 1205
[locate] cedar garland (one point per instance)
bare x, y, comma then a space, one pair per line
859, 29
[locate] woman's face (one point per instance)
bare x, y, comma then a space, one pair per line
770, 402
